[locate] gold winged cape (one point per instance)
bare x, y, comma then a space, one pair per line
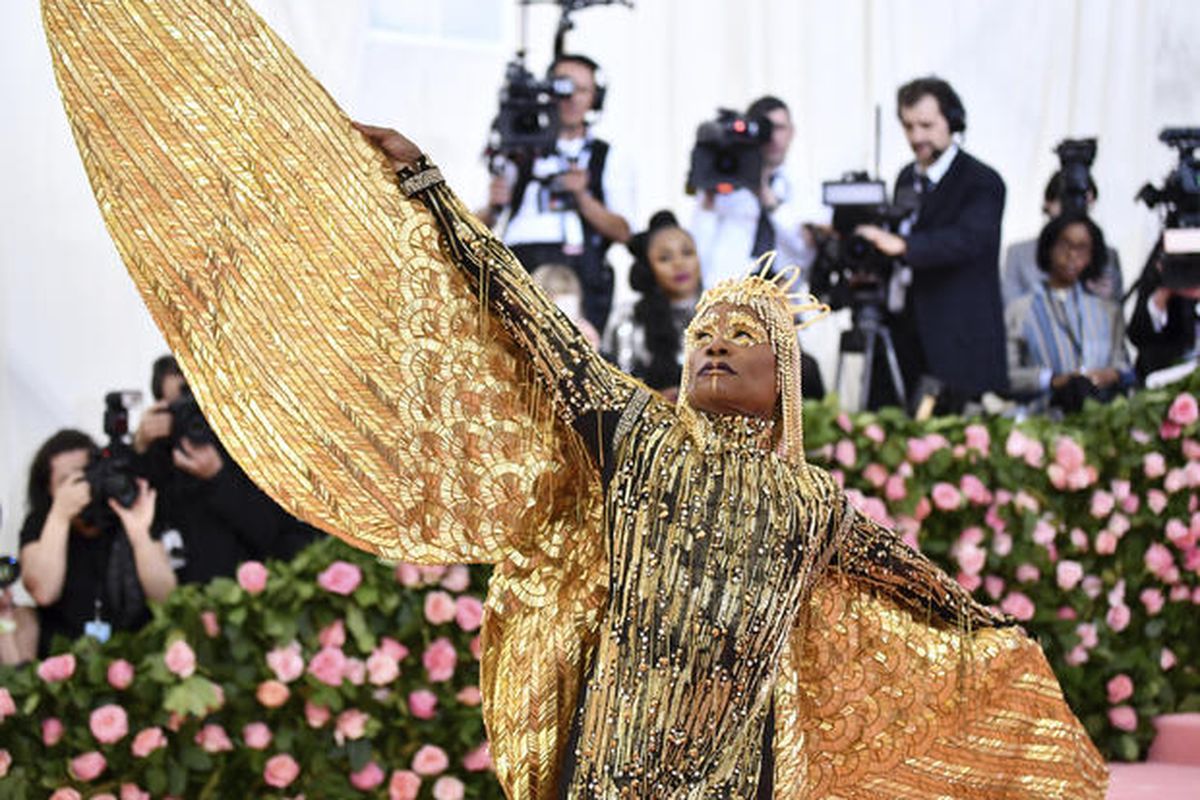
354, 373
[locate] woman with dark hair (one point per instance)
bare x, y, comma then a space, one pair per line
1066, 344
90, 567
647, 341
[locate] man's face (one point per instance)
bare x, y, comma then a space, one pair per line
731, 363
775, 151
572, 111
927, 131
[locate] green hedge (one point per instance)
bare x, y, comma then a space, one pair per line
1086, 529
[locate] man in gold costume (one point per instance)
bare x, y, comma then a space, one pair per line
681, 607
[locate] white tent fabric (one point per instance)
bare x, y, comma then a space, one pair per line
1030, 72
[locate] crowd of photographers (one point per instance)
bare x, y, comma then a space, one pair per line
940, 327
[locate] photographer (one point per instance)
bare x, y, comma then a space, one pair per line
570, 206
211, 514
732, 229
1022, 274
950, 325
1164, 322
90, 567
1066, 345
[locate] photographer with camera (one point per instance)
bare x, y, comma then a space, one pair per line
950, 323
1066, 345
752, 214
211, 515
569, 205
89, 558
1021, 274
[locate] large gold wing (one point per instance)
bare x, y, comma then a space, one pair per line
875, 704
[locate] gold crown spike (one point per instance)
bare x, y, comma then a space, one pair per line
760, 283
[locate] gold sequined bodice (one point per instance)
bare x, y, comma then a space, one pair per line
713, 543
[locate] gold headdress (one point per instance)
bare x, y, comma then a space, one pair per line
783, 312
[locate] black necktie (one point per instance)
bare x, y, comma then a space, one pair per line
764, 234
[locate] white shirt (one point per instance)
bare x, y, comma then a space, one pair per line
724, 234
533, 225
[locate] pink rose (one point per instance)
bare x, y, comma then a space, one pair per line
66, 793
57, 668
120, 674
280, 770
257, 736
1183, 410
874, 433
1068, 574
1106, 543
457, 579
88, 766
7, 707
1158, 559
875, 474
1002, 544
448, 788
1123, 718
333, 634
109, 724
1175, 481
1089, 637
404, 785
367, 778
252, 576
1166, 659
476, 648
272, 694
286, 662
355, 671
895, 489
381, 668
1018, 605
351, 724
131, 791
1027, 573
971, 557
845, 453
1118, 617
968, 582
439, 608
478, 760
1120, 688
213, 739
1079, 539
52, 731
1077, 656
430, 760
212, 628
1169, 430
945, 496
1067, 613
1153, 600
422, 704
1044, 533
147, 741
5, 762
1118, 524
328, 666
393, 649
469, 696
918, 451
408, 575
440, 659
974, 490
1068, 454
1102, 504
340, 577
180, 659
1180, 593
978, 439
1157, 500
994, 586
843, 422
316, 715
1092, 586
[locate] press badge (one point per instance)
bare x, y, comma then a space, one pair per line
99, 630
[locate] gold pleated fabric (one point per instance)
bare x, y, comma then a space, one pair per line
350, 369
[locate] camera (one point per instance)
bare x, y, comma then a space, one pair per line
110, 472
1179, 197
849, 270
1075, 158
10, 570
728, 154
188, 422
527, 124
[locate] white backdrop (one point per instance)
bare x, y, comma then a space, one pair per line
1030, 72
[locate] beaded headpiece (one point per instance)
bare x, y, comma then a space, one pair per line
783, 312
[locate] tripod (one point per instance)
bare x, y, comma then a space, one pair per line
868, 329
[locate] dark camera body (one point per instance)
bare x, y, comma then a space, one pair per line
728, 153
1180, 197
110, 472
187, 421
527, 124
1075, 157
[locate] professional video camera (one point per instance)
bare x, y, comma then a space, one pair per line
527, 124
1075, 158
110, 472
849, 270
728, 153
1179, 198
187, 421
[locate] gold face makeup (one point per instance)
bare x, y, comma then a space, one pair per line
736, 326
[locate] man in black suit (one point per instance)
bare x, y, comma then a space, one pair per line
951, 323
1164, 322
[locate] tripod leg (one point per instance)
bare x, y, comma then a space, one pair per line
894, 367
864, 387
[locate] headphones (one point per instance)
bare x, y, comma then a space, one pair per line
597, 76
948, 101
